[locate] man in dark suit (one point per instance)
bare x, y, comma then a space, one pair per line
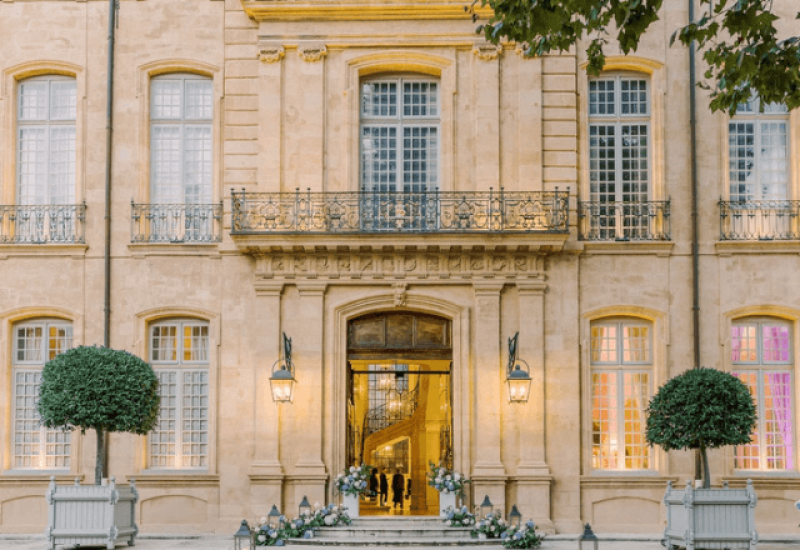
384, 488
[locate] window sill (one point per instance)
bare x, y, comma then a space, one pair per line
141, 250
777, 480
18, 477
621, 480
45, 249
726, 248
182, 478
658, 248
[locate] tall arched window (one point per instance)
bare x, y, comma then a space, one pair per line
619, 156
763, 358
179, 354
621, 360
34, 446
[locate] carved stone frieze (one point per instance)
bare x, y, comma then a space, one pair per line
312, 53
487, 52
271, 53
408, 266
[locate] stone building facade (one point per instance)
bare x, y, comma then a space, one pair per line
284, 167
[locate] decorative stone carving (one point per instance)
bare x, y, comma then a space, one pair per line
487, 52
400, 294
312, 53
271, 54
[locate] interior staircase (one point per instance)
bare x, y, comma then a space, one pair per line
394, 531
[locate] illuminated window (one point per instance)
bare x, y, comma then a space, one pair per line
179, 355
621, 371
763, 358
35, 446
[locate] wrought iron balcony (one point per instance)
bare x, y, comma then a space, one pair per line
176, 223
759, 220
42, 224
396, 212
624, 221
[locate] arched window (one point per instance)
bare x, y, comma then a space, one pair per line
619, 156
46, 113
181, 114
621, 360
400, 128
763, 358
35, 343
179, 354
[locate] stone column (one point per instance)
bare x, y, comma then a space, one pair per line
532, 476
488, 473
309, 474
266, 472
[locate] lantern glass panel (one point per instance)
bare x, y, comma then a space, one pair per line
519, 389
282, 390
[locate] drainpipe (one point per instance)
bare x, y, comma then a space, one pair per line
112, 19
695, 236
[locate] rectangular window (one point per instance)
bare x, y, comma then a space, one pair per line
620, 394
180, 439
34, 446
764, 346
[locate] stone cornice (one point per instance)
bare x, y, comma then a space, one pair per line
357, 10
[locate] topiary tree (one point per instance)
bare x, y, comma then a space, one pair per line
701, 409
101, 389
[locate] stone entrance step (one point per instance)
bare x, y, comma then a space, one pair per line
400, 531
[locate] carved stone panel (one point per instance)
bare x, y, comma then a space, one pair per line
403, 332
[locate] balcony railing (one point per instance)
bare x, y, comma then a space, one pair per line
42, 224
759, 220
176, 223
396, 212
624, 221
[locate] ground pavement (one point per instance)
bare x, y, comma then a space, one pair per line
226, 543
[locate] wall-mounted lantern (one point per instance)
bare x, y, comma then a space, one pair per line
588, 540
518, 379
282, 380
243, 538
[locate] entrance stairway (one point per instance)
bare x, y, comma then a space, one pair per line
394, 531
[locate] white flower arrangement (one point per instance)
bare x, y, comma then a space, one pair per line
354, 481
446, 481
458, 517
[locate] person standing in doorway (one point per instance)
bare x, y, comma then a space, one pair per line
373, 485
398, 488
384, 488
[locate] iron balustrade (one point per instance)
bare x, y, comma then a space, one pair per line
42, 224
176, 223
399, 212
392, 411
624, 221
759, 220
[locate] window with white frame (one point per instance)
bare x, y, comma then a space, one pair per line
179, 354
763, 358
34, 446
46, 112
621, 380
181, 115
400, 128
758, 152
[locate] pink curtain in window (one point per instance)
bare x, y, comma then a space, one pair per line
736, 343
780, 387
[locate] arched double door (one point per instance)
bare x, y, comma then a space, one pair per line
399, 407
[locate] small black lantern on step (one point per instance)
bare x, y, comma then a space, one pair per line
486, 507
274, 518
588, 540
515, 518
243, 538
305, 507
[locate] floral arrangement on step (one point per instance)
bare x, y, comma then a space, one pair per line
445, 480
458, 517
524, 536
301, 527
490, 527
266, 535
328, 516
354, 481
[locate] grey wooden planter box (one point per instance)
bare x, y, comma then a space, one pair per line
91, 514
711, 519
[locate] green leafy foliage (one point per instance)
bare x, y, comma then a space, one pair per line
101, 389
744, 52
701, 408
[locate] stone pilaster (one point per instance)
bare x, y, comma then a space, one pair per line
270, 116
486, 68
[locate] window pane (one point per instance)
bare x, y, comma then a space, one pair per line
199, 99
741, 154
601, 97
775, 344
33, 100
194, 417
636, 388
633, 97
379, 99
61, 177
774, 161
778, 425
33, 166
379, 157
635, 169
195, 343
29, 345
420, 151
604, 344
162, 438
420, 99
636, 344
63, 96
743, 344
166, 169
197, 165
59, 340
602, 162
163, 345
27, 431
746, 457
166, 99
605, 428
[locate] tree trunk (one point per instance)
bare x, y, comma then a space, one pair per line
698, 465
706, 471
99, 457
